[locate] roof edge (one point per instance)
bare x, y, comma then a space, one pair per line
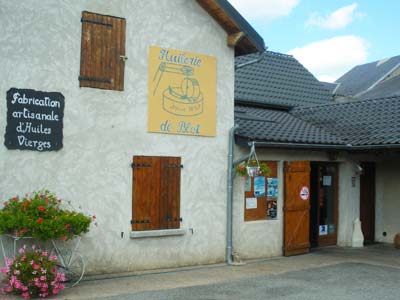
262, 105
233, 22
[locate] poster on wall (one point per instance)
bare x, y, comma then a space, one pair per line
272, 210
259, 186
247, 184
251, 203
272, 188
181, 92
34, 120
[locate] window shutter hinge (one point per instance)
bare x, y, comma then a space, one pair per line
170, 219
133, 165
173, 166
140, 222
83, 20
81, 78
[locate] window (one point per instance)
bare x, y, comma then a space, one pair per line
156, 193
261, 196
102, 52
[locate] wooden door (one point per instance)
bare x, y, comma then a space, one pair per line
367, 201
297, 208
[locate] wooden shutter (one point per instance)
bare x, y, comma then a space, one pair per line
156, 193
296, 209
170, 192
102, 46
146, 191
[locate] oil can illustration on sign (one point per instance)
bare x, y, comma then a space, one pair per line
182, 92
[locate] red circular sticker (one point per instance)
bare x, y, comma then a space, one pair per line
304, 193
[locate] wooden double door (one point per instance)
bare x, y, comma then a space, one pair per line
311, 206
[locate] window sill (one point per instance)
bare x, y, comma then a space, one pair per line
157, 233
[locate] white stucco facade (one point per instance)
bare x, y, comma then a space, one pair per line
40, 49
387, 221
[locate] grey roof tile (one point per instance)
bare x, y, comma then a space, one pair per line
388, 88
270, 125
277, 79
361, 77
366, 122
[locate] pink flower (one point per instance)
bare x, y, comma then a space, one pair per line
31, 262
21, 250
36, 266
17, 272
53, 258
43, 271
44, 253
25, 295
42, 278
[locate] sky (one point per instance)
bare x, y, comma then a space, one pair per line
329, 37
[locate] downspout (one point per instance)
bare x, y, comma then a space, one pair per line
229, 210
229, 206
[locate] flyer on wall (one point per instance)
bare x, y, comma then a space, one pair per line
259, 186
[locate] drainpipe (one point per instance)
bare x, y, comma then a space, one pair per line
229, 206
229, 212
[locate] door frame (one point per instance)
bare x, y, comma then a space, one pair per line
368, 187
330, 239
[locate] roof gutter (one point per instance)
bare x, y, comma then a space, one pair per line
247, 142
299, 146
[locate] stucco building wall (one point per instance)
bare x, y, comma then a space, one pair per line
40, 49
387, 205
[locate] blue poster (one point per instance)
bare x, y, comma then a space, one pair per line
272, 192
259, 186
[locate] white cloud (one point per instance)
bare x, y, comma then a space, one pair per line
331, 58
338, 19
267, 10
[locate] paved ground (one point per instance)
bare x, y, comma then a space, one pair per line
329, 273
343, 281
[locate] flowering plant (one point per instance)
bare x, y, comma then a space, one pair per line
241, 169
32, 273
40, 216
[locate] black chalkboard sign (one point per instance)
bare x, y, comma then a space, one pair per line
34, 120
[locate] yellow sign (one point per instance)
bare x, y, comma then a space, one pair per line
182, 92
